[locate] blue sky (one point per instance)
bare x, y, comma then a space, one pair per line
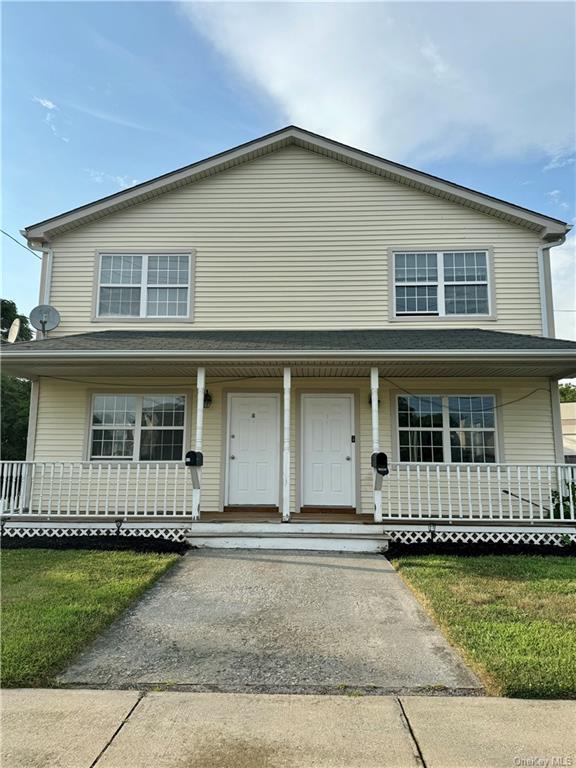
98, 96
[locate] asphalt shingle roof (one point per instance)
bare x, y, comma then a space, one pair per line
386, 340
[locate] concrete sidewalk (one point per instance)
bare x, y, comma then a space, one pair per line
128, 729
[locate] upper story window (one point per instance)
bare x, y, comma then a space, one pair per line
144, 285
441, 283
137, 427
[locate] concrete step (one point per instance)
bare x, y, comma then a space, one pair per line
327, 538
288, 528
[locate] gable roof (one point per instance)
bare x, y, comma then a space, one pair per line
549, 228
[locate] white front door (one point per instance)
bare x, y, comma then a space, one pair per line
328, 460
253, 450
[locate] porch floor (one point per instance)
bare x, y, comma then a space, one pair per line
298, 518
245, 515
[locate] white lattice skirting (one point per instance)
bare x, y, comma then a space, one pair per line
555, 538
416, 534
171, 534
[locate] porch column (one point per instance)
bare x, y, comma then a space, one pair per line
375, 441
286, 447
200, 388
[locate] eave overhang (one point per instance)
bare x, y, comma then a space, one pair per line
353, 362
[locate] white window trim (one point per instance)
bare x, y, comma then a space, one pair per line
137, 427
446, 429
419, 284
441, 295
144, 285
441, 314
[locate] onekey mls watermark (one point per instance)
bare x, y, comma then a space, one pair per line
557, 761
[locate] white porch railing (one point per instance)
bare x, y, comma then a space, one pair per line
530, 493
80, 489
526, 493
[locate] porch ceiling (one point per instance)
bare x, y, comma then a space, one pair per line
150, 368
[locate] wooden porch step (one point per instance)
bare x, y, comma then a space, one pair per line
308, 510
235, 509
328, 515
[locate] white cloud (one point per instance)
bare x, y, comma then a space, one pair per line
46, 103
556, 198
50, 108
439, 66
560, 160
411, 81
563, 264
101, 177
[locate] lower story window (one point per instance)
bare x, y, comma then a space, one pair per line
447, 428
137, 427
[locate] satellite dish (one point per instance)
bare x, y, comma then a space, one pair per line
14, 330
44, 318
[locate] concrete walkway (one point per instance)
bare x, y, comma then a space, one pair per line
276, 622
127, 729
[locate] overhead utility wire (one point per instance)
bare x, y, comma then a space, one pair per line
20, 244
254, 378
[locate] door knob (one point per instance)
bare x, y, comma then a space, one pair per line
232, 457
348, 458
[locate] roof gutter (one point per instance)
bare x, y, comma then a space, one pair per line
279, 354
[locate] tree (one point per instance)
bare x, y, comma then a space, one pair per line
15, 404
9, 313
567, 393
15, 393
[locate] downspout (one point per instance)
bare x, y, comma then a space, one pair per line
556, 420
46, 270
545, 281
547, 308
48, 254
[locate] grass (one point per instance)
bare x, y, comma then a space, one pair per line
54, 602
512, 616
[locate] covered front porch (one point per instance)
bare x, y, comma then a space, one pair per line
237, 448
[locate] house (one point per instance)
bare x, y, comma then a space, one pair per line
349, 346
568, 417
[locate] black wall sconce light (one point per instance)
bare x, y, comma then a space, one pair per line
207, 399
370, 399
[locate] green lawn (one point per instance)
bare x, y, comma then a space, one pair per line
55, 601
512, 616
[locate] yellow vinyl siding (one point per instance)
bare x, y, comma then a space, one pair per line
295, 239
525, 427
